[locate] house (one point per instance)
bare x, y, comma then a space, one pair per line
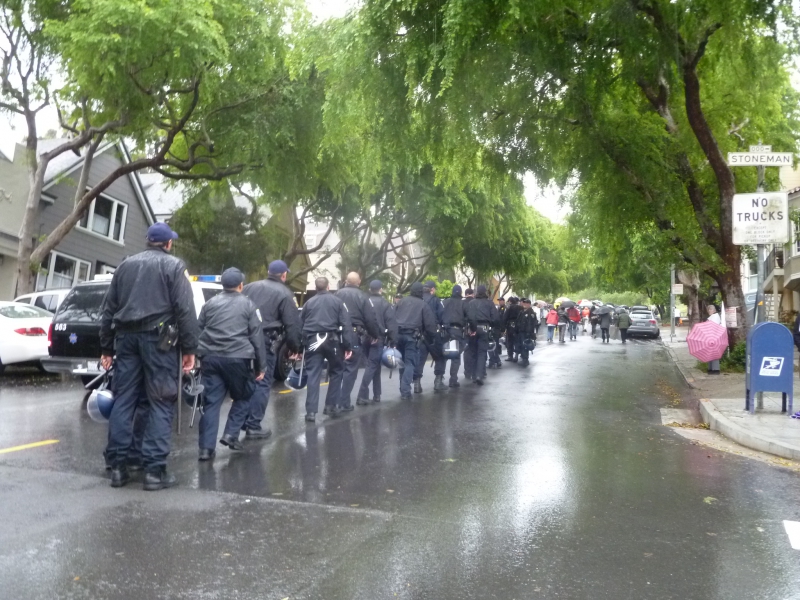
113, 227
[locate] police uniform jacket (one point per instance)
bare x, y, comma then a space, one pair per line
413, 314
275, 301
384, 313
527, 321
482, 311
511, 315
149, 288
453, 312
230, 326
362, 314
435, 304
325, 313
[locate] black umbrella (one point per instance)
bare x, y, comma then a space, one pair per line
568, 304
604, 310
620, 310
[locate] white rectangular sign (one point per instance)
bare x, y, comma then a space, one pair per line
760, 159
761, 148
771, 366
761, 218
731, 317
677, 289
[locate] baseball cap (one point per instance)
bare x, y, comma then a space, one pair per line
160, 232
277, 267
430, 284
375, 285
231, 278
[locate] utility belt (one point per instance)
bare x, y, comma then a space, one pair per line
415, 333
167, 331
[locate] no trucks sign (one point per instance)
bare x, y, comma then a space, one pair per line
761, 218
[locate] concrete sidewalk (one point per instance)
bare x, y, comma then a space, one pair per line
722, 405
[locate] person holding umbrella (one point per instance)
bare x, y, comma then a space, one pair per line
563, 320
604, 315
713, 316
623, 322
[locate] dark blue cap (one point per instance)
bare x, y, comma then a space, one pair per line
160, 232
430, 284
456, 290
278, 267
231, 278
375, 285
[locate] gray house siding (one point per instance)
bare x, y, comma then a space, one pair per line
86, 245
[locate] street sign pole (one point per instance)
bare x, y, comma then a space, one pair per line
672, 304
760, 312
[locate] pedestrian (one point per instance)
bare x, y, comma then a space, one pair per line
552, 323
594, 319
623, 323
415, 321
585, 317
527, 324
373, 349
563, 321
605, 324
453, 322
326, 336
429, 296
365, 330
714, 317
676, 315
494, 355
468, 360
482, 316
510, 326
149, 321
574, 316
280, 321
233, 358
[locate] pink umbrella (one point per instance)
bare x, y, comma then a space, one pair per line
707, 341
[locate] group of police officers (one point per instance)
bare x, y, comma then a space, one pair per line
150, 332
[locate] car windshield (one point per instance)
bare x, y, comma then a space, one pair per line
83, 304
12, 311
643, 314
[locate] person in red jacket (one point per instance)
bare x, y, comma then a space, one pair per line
552, 323
574, 316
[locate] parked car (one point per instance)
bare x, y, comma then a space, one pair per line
49, 300
23, 333
644, 323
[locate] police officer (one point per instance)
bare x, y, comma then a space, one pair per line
281, 321
527, 325
231, 337
326, 335
494, 356
148, 319
469, 359
387, 324
365, 329
429, 296
482, 316
510, 325
453, 322
415, 321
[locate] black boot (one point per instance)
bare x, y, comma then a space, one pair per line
438, 384
362, 401
205, 454
158, 480
454, 382
232, 443
119, 477
377, 399
417, 386
257, 434
310, 417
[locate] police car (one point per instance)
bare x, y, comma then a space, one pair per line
74, 336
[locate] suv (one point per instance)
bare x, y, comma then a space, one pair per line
49, 300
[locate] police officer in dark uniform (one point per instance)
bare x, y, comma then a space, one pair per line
148, 319
387, 324
280, 320
231, 338
510, 325
453, 323
469, 359
415, 321
494, 356
527, 326
365, 329
326, 335
430, 298
482, 316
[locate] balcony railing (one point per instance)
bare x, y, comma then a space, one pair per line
773, 261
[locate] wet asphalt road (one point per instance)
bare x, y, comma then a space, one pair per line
556, 481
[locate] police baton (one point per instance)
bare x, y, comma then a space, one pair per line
302, 364
180, 389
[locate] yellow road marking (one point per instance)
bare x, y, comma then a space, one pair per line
27, 446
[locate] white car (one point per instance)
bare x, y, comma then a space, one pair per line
23, 333
49, 300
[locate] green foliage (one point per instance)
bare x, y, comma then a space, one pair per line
628, 298
444, 288
734, 360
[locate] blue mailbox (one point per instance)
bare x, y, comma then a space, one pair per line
770, 363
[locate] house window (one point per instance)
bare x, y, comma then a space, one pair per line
796, 244
106, 217
61, 271
752, 275
311, 240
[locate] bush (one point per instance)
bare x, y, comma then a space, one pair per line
734, 361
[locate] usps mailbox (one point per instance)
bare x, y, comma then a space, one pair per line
770, 366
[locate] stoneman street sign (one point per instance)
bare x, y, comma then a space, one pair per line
760, 159
761, 218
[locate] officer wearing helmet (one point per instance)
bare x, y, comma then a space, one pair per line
482, 316
433, 302
280, 321
384, 312
415, 321
469, 359
527, 325
148, 320
364, 330
231, 340
494, 355
510, 325
453, 322
326, 336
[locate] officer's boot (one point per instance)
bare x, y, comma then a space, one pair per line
362, 401
376, 399
417, 386
438, 384
119, 476
158, 480
454, 382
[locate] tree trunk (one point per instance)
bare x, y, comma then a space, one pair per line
36, 170
730, 286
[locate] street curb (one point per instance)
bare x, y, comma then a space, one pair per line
689, 380
719, 422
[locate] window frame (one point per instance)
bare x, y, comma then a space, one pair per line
48, 278
112, 220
